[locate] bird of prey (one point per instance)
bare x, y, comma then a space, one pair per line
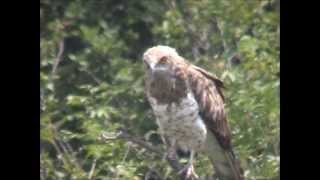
188, 104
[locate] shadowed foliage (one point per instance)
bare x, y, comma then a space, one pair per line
92, 82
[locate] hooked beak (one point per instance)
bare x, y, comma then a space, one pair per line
149, 64
154, 67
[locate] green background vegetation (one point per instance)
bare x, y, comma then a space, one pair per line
95, 83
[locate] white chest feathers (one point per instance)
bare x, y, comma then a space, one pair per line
181, 122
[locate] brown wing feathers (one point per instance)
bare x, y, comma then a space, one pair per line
213, 78
207, 91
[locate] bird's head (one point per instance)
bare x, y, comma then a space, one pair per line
165, 78
159, 60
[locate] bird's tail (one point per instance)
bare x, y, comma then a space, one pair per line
234, 165
226, 165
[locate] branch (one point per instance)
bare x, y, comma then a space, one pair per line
43, 173
59, 57
126, 136
56, 62
90, 176
172, 158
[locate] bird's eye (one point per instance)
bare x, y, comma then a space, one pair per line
163, 59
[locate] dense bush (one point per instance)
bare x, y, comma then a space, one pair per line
92, 81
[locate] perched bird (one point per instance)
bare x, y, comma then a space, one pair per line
188, 104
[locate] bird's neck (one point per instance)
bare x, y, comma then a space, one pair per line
167, 88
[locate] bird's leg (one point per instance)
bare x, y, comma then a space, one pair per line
188, 169
171, 152
166, 146
164, 141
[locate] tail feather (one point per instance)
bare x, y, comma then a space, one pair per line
234, 165
224, 161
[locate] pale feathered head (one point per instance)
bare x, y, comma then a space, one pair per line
164, 76
160, 58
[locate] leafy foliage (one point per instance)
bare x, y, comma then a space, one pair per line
97, 82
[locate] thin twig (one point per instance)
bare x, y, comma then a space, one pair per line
142, 143
124, 158
93, 167
64, 150
42, 168
56, 62
216, 23
126, 154
57, 148
95, 78
58, 58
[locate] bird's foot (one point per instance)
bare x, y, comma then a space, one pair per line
188, 172
171, 153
